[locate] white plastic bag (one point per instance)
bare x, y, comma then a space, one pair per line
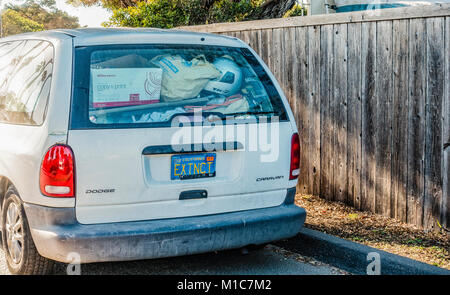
183, 79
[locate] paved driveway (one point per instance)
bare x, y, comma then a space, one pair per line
270, 260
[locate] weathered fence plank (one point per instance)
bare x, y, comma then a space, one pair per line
400, 103
255, 40
266, 39
293, 71
416, 128
370, 94
368, 90
303, 111
326, 144
289, 55
246, 36
445, 212
354, 115
383, 118
433, 118
276, 59
314, 108
339, 111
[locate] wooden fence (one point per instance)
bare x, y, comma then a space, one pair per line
370, 92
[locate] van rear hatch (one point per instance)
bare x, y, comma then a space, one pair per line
165, 131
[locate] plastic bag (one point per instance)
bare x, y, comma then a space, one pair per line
183, 79
231, 104
158, 116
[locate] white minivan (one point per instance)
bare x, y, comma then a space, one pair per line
127, 144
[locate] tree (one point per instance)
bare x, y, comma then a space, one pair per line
108, 4
172, 13
160, 14
14, 23
33, 16
297, 10
275, 8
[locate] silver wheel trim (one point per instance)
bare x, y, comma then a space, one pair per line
14, 233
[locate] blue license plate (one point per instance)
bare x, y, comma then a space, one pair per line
193, 166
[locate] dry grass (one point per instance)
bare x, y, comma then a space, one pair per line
376, 231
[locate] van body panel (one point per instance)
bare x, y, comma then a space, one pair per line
134, 190
26, 152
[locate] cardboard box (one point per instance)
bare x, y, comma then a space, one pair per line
125, 86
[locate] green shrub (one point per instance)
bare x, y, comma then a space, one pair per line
297, 10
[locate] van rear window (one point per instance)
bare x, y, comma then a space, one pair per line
150, 85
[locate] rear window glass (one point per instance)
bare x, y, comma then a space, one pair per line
154, 84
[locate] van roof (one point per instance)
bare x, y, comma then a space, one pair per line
98, 36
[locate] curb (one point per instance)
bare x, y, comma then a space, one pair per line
353, 257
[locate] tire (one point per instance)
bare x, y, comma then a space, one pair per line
20, 252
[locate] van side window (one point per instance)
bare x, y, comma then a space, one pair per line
25, 77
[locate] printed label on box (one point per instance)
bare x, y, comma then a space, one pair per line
125, 87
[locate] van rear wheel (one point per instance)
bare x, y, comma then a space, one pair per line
18, 246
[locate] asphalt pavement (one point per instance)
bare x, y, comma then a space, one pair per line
270, 260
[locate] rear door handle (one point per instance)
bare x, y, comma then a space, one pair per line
194, 194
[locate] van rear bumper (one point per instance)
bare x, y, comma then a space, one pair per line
57, 234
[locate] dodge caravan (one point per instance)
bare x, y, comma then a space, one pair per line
127, 144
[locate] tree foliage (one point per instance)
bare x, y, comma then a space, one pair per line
297, 10
108, 4
161, 14
14, 23
233, 11
33, 15
170, 13
173, 13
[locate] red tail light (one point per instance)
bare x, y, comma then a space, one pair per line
58, 172
295, 157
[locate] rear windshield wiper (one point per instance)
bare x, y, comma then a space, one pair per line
217, 116
249, 113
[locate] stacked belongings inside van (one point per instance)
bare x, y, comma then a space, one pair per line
140, 88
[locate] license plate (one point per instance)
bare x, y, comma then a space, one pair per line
193, 166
